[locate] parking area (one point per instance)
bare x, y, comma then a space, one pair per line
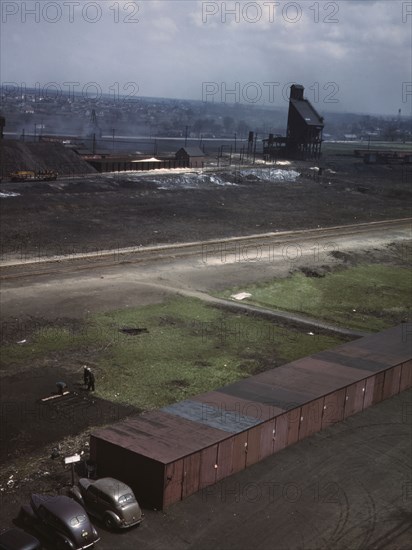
348, 487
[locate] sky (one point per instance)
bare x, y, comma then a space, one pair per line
351, 55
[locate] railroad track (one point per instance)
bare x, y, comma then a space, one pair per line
50, 265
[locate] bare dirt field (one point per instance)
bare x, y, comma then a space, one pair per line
127, 209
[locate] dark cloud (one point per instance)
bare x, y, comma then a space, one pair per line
358, 51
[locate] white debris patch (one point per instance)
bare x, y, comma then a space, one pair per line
7, 195
190, 181
241, 295
271, 174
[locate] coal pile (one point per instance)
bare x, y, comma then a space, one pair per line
38, 156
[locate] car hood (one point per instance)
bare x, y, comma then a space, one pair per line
16, 538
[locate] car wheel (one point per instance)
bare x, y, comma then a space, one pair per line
109, 522
24, 518
62, 545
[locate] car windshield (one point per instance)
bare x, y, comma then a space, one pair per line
77, 520
126, 499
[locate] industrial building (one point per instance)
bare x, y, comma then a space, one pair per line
193, 157
304, 131
169, 454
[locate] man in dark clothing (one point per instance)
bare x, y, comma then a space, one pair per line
91, 380
86, 375
61, 387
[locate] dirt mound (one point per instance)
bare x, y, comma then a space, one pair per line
18, 155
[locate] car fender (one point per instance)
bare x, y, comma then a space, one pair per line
26, 514
64, 542
116, 520
75, 493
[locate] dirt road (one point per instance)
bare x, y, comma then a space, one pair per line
211, 266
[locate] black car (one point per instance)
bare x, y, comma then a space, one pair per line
16, 539
109, 500
61, 520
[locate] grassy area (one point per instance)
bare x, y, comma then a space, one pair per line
369, 297
188, 348
350, 146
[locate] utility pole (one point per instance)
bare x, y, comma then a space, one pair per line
186, 129
254, 149
113, 131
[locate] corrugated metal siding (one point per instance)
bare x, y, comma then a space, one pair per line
208, 466
378, 388
267, 436
239, 451
406, 376
191, 474
293, 419
391, 382
369, 392
354, 398
171, 453
280, 440
310, 420
173, 482
253, 445
333, 408
224, 459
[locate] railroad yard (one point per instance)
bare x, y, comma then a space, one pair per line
73, 293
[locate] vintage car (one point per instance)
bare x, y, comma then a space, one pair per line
109, 500
16, 539
61, 520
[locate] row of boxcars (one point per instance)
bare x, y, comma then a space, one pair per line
31, 175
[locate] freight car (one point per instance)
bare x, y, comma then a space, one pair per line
30, 175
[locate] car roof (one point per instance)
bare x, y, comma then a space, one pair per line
17, 539
112, 486
59, 505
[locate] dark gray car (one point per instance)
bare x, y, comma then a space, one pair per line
17, 539
110, 500
61, 520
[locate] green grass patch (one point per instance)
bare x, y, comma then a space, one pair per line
350, 146
188, 348
366, 297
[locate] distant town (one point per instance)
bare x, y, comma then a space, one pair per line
35, 113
